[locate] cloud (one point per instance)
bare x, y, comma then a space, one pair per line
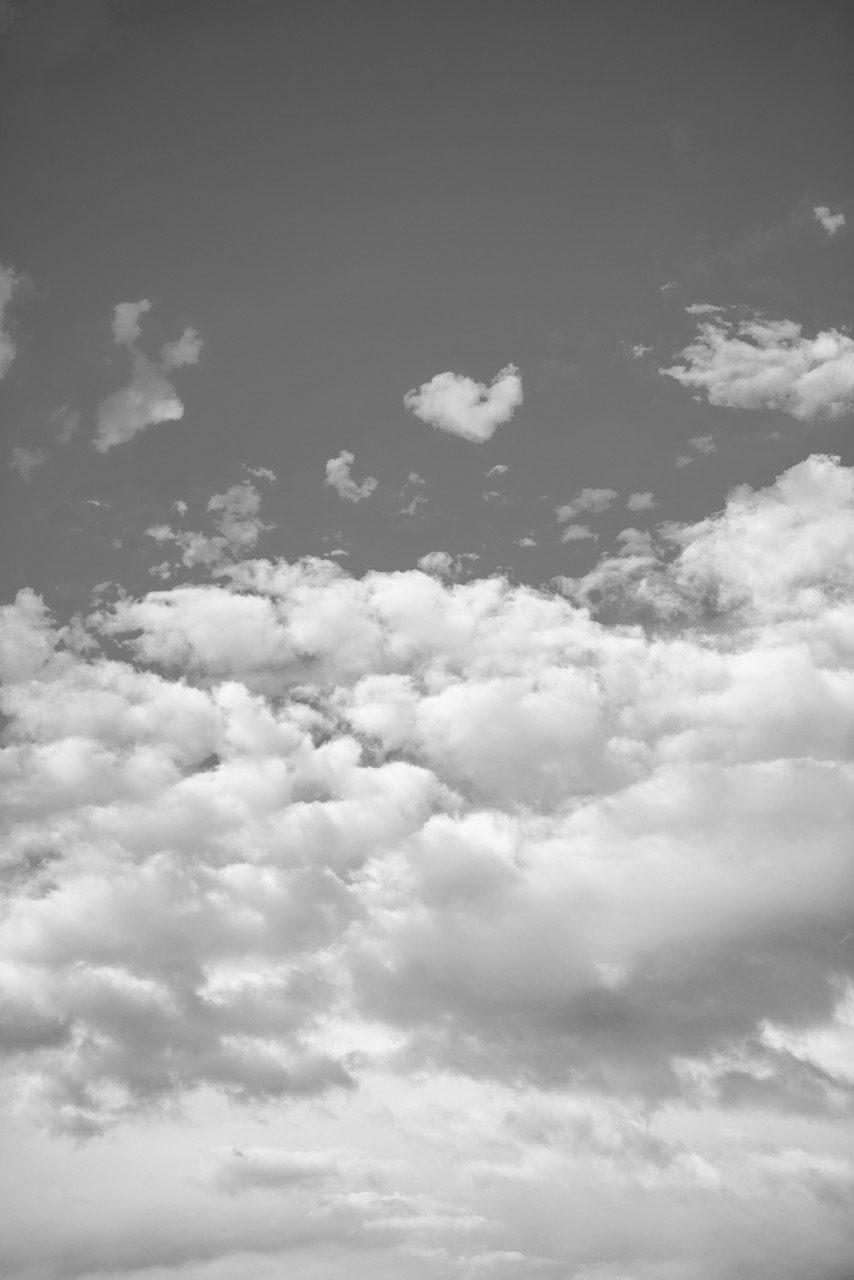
452, 402
26, 461
638, 351
768, 364
498, 470
593, 500
703, 444
150, 398
576, 533
338, 477
545, 891
10, 285
831, 222
641, 502
237, 525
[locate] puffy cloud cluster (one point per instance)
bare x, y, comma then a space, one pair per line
150, 397
338, 477
452, 402
294, 833
760, 363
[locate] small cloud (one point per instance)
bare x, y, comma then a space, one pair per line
181, 507
10, 284
638, 351
65, 423
498, 470
592, 500
492, 495
452, 402
830, 221
636, 542
27, 461
149, 398
641, 502
667, 286
439, 563
339, 552
703, 444
576, 533
184, 350
702, 309
414, 478
684, 460
263, 473
526, 542
126, 326
338, 477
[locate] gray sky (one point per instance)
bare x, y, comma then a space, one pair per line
428, 504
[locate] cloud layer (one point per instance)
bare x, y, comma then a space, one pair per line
535, 874
452, 402
768, 364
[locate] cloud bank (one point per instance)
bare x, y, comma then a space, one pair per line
769, 364
535, 872
452, 402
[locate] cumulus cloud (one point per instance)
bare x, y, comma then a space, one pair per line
556, 883
10, 284
831, 222
703, 444
641, 502
338, 477
452, 402
760, 363
593, 500
150, 397
577, 533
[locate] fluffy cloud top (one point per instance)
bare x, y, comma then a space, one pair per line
452, 402
830, 221
150, 397
10, 283
536, 874
338, 477
769, 364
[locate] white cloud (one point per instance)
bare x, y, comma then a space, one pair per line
498, 470
563, 889
26, 461
638, 351
830, 221
10, 284
592, 500
768, 364
703, 444
577, 533
237, 525
338, 477
641, 502
452, 402
150, 398
262, 473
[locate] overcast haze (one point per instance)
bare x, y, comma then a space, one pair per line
427, 636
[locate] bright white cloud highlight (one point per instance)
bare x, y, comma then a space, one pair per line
150, 397
338, 477
452, 402
831, 222
769, 364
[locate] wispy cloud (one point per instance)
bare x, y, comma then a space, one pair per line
452, 402
10, 284
27, 461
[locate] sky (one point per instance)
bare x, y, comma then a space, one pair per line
427, 640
